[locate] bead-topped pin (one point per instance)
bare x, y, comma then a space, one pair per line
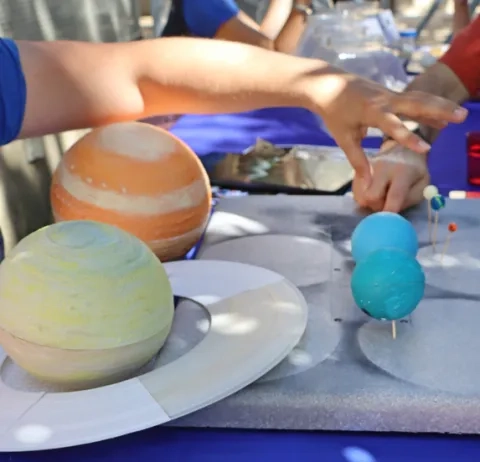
452, 228
437, 203
429, 193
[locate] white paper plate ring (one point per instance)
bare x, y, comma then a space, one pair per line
257, 318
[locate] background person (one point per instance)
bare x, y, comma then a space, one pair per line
280, 29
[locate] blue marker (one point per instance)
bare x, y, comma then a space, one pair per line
437, 202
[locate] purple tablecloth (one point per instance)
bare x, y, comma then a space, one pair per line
234, 133
448, 159
224, 133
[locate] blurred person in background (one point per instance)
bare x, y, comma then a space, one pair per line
280, 29
48, 87
399, 176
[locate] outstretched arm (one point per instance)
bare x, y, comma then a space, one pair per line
74, 85
439, 80
77, 84
456, 76
463, 57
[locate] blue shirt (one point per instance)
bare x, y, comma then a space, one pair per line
13, 91
205, 17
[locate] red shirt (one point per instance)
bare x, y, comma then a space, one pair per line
463, 57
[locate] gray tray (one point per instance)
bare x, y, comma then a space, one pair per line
348, 373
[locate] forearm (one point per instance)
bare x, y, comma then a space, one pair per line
463, 57
274, 21
275, 18
461, 16
205, 76
457, 74
438, 80
289, 37
74, 85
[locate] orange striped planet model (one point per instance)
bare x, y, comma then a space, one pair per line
137, 177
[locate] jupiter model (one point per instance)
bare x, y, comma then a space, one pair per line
137, 177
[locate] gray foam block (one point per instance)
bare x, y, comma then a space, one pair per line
439, 355
306, 268
350, 374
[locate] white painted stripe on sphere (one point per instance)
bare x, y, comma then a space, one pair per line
180, 199
137, 141
176, 246
188, 236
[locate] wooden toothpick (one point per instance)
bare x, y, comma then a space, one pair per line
434, 235
430, 222
429, 192
452, 227
437, 203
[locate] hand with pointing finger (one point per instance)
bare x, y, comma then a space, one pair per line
351, 104
398, 179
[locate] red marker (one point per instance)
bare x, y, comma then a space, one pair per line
452, 227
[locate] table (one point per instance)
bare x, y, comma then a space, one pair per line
234, 133
186, 445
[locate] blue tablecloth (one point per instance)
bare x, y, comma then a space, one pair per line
234, 133
185, 445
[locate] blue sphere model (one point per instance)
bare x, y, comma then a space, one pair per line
437, 202
388, 284
381, 231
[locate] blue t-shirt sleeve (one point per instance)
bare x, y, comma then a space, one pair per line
205, 17
13, 91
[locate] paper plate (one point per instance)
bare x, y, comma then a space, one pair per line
256, 318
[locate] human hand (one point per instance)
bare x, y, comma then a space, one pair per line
350, 105
399, 177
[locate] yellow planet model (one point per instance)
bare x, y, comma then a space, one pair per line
83, 304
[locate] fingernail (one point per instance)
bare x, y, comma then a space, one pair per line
423, 145
460, 113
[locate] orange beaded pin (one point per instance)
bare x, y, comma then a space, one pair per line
452, 228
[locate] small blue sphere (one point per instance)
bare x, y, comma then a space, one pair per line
437, 202
381, 231
388, 284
